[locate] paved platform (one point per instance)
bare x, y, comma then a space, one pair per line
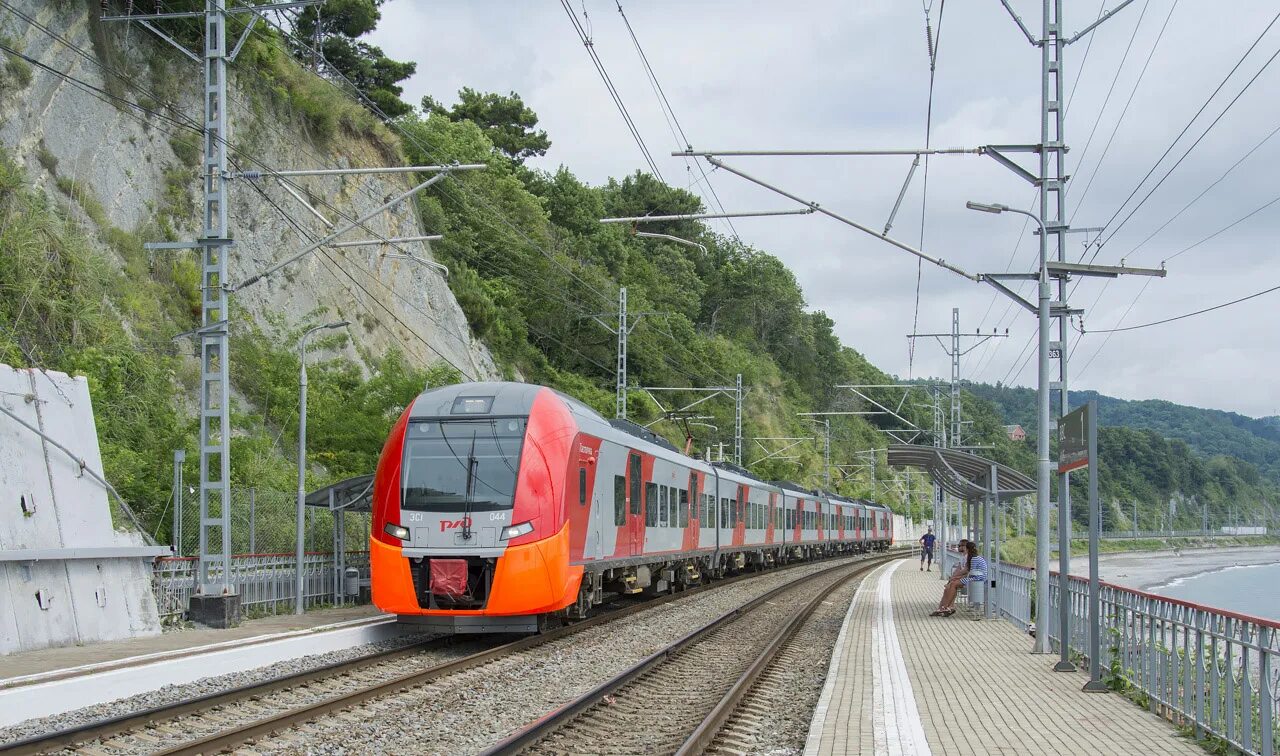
902, 682
48, 662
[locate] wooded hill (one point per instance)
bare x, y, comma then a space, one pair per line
1209, 432
531, 267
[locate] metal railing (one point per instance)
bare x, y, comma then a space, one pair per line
1215, 673
1120, 535
265, 582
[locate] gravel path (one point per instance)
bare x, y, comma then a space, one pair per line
469, 711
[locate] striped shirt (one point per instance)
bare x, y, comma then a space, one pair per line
977, 570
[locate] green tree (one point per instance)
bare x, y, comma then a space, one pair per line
338, 24
508, 123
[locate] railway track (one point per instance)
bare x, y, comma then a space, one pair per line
223, 720
679, 699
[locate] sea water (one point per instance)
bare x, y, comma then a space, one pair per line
1247, 589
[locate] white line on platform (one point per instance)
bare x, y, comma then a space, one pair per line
896, 725
42, 699
813, 742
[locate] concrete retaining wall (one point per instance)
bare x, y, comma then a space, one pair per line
67, 576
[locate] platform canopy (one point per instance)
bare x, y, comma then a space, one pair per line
353, 495
960, 473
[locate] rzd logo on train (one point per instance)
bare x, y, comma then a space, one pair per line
465, 522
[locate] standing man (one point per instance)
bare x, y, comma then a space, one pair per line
926, 549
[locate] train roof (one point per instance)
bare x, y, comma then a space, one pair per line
639, 431
793, 486
510, 398
502, 397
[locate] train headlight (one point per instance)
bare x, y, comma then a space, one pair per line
515, 531
396, 531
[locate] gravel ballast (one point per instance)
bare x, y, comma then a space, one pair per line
761, 725
461, 713
466, 712
170, 694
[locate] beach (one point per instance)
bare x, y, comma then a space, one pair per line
1150, 570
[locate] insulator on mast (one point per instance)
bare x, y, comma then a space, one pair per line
928, 38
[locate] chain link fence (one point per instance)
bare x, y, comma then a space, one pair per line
263, 569
263, 522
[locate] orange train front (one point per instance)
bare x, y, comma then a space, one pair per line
498, 505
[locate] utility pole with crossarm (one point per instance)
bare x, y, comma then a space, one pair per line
215, 601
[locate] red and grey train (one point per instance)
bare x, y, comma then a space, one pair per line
498, 505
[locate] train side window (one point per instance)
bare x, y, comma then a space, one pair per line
582, 485
684, 509
635, 484
619, 500
650, 504
662, 506
724, 512
673, 506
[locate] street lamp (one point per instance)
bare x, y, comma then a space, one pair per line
299, 550
1042, 435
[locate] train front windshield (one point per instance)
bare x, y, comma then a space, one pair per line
452, 465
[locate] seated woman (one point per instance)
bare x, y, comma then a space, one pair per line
972, 570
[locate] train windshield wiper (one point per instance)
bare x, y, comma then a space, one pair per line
473, 466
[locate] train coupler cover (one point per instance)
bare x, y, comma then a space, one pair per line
449, 577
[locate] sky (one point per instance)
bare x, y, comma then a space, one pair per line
833, 74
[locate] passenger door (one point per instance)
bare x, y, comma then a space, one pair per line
635, 506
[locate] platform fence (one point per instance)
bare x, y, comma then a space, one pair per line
1213, 672
265, 582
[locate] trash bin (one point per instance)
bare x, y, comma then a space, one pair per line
351, 582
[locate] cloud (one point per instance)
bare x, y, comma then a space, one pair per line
838, 74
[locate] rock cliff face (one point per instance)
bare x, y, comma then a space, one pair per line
95, 147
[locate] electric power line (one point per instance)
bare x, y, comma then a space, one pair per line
665, 105
1124, 111
934, 43
587, 42
1185, 129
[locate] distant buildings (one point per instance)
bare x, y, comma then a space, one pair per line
1015, 432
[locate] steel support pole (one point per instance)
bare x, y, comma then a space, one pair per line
620, 408
300, 526
737, 421
1042, 388
215, 392
1095, 587
179, 456
826, 451
1053, 200
955, 376
253, 520
993, 500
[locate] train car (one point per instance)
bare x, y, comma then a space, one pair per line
500, 505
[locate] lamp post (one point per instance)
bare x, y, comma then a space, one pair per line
1043, 470
300, 545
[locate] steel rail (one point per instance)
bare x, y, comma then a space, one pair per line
705, 733
112, 726
553, 721
78, 735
